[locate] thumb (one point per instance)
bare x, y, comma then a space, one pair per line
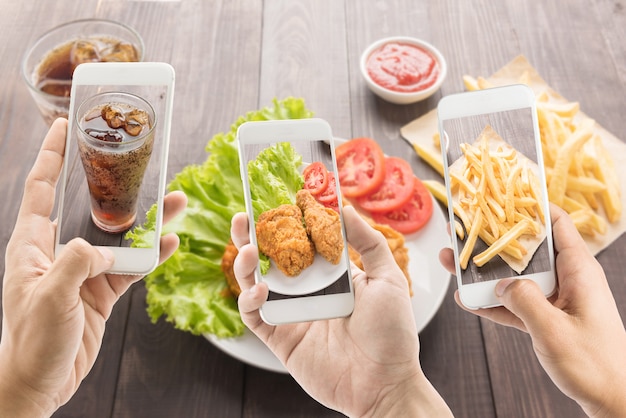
376, 256
368, 242
525, 299
78, 261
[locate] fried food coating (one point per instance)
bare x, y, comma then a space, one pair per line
228, 260
323, 226
395, 240
282, 237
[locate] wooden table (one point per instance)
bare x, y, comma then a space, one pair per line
237, 55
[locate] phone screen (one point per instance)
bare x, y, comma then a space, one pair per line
110, 185
297, 227
493, 166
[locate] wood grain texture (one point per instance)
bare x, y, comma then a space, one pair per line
301, 40
165, 371
234, 56
448, 347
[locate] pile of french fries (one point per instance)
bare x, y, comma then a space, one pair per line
580, 173
499, 199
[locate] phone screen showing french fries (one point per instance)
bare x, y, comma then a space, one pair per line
498, 196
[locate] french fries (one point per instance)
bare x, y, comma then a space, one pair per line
438, 189
580, 173
497, 200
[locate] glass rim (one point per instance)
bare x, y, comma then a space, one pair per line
28, 77
118, 93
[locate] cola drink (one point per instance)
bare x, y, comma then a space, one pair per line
115, 140
49, 63
54, 74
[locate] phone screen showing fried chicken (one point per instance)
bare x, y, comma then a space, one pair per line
297, 223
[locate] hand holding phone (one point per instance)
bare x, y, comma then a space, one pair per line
295, 216
116, 158
497, 194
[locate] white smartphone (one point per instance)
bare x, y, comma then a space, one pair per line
115, 161
497, 194
295, 212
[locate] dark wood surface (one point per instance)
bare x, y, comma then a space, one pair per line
232, 56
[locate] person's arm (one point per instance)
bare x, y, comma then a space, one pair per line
416, 397
578, 335
55, 310
363, 365
17, 401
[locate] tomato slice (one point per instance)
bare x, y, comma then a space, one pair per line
411, 216
361, 166
315, 178
395, 189
328, 197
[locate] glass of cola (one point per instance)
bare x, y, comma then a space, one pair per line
48, 65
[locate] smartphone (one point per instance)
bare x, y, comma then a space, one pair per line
115, 160
295, 213
497, 194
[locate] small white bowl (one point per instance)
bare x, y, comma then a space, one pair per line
398, 97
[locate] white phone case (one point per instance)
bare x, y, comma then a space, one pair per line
323, 290
154, 82
507, 117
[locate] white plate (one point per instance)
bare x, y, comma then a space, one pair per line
318, 276
430, 284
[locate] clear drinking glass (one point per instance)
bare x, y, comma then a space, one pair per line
114, 159
48, 65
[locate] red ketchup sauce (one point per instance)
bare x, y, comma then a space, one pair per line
402, 67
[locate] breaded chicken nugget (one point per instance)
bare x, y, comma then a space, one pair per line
281, 236
322, 225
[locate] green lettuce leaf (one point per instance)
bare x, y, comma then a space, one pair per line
274, 181
189, 289
274, 177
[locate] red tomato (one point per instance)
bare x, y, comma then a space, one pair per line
395, 189
361, 166
315, 178
413, 215
328, 197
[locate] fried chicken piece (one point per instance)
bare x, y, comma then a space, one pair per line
281, 236
228, 260
322, 225
395, 240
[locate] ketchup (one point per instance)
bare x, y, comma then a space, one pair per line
402, 67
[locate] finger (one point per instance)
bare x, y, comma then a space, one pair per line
566, 236
41, 182
252, 296
250, 301
244, 265
579, 273
499, 315
367, 241
121, 282
446, 258
239, 230
173, 203
573, 254
525, 300
105, 290
169, 245
376, 256
77, 261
